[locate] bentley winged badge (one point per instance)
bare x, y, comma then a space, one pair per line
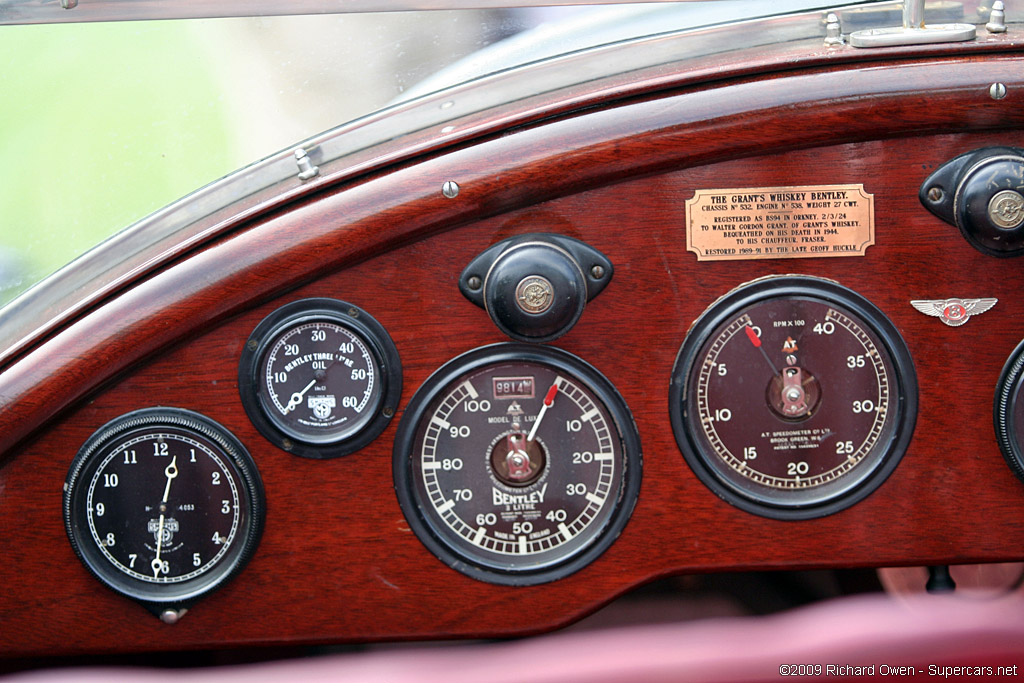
953, 312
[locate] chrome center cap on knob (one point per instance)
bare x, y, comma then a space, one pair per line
534, 294
1006, 209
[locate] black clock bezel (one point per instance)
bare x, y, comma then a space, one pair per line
159, 597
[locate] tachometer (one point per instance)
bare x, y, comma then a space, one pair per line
793, 397
517, 464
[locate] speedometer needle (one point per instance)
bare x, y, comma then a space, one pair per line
296, 398
548, 400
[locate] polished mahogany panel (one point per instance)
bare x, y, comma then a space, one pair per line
337, 561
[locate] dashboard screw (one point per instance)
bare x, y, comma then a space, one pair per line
287, 444
597, 272
935, 194
252, 344
388, 411
474, 282
997, 91
450, 189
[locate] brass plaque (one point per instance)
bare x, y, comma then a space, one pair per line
780, 222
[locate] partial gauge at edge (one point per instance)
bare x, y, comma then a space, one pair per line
320, 378
517, 464
163, 505
1008, 411
793, 397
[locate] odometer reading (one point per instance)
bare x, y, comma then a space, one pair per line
792, 394
517, 464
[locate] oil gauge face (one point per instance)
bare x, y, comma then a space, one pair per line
320, 378
793, 397
517, 464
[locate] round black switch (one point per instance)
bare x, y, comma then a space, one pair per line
535, 291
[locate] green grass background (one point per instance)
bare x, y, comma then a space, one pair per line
100, 125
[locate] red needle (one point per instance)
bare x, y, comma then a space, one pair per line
752, 336
548, 400
756, 341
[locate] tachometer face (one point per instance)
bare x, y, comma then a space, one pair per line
320, 378
517, 464
793, 397
163, 505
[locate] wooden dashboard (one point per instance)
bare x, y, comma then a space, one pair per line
612, 163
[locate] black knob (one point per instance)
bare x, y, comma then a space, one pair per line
982, 193
534, 287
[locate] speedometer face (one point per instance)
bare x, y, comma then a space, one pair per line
517, 464
793, 397
320, 378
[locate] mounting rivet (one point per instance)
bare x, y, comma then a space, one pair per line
450, 189
171, 616
997, 91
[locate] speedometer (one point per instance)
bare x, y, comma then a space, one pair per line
517, 464
793, 397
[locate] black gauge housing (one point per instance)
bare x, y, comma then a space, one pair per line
455, 453
320, 378
793, 397
164, 506
1008, 411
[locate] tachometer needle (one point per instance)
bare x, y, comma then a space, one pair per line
756, 341
548, 400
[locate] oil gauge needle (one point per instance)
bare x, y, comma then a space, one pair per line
756, 341
296, 398
548, 400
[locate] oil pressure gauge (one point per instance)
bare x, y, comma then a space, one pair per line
320, 378
793, 397
517, 464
